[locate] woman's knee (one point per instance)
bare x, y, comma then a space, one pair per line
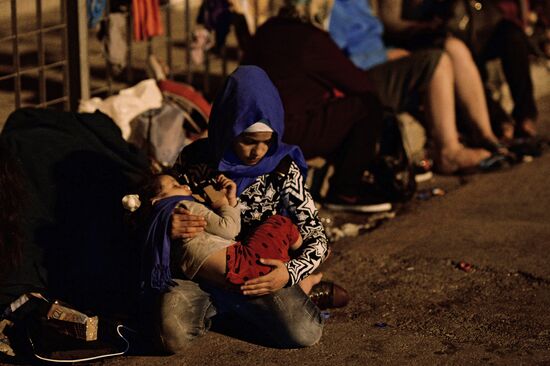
304, 334
305, 327
182, 317
457, 49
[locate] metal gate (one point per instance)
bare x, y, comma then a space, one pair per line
49, 57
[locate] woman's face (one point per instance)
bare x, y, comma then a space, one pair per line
251, 147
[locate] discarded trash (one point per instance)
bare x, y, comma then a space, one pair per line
464, 266
527, 159
380, 325
325, 314
426, 194
5, 346
327, 221
423, 195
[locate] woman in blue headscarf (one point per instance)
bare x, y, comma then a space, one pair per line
245, 144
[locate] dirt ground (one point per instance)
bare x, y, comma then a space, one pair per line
410, 303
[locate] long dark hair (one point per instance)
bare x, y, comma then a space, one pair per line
12, 198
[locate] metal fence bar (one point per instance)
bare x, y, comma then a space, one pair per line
65, 48
33, 70
79, 67
15, 47
41, 55
33, 32
108, 66
48, 103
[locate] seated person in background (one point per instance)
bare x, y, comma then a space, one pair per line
417, 24
310, 74
359, 34
213, 255
306, 65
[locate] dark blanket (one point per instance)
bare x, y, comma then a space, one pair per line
77, 168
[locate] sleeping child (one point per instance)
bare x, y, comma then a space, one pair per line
213, 255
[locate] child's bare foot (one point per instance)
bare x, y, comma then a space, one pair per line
462, 158
297, 244
307, 283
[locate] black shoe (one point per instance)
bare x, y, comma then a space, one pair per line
328, 295
364, 203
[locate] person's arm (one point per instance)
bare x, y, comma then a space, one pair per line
390, 13
226, 222
300, 206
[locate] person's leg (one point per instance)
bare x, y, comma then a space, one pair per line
183, 315
451, 155
510, 44
400, 84
469, 89
287, 318
270, 240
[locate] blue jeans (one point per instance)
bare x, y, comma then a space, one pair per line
287, 317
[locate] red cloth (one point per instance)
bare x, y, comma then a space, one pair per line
188, 93
271, 240
146, 18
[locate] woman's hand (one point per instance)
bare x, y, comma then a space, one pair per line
271, 282
185, 225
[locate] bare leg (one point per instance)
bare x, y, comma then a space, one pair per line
307, 283
469, 88
451, 155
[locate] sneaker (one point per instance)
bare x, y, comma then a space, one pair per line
365, 204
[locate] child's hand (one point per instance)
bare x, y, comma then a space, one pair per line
229, 188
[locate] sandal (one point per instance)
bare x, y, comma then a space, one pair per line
527, 147
498, 148
493, 162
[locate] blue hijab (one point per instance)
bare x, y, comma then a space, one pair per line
156, 267
247, 97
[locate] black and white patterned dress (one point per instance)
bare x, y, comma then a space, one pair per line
273, 193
